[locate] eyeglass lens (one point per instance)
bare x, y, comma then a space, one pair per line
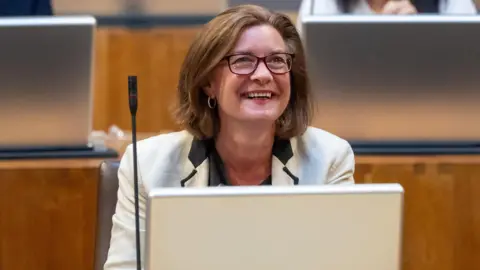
278, 63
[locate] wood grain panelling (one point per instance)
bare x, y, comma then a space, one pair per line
48, 214
442, 208
155, 56
48, 211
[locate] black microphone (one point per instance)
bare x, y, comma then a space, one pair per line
133, 103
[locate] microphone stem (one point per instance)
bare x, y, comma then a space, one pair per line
135, 180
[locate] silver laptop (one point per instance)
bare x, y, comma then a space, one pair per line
283, 228
46, 76
395, 78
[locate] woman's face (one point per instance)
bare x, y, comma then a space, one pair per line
248, 94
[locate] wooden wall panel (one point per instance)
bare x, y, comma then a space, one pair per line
48, 214
48, 211
155, 56
442, 208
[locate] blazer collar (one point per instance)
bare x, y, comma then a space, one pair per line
196, 168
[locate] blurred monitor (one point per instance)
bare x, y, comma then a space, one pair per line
405, 79
46, 81
341, 227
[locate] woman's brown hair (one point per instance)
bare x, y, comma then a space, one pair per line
212, 44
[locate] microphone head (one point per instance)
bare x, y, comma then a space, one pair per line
132, 94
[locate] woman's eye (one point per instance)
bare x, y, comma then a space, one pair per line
278, 60
242, 60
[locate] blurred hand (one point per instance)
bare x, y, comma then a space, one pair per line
399, 7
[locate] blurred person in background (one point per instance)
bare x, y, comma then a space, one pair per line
399, 7
245, 105
26, 8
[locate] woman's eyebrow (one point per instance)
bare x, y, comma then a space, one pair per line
242, 52
251, 53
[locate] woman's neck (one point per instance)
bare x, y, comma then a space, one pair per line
246, 152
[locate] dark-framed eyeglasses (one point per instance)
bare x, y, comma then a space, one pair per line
246, 64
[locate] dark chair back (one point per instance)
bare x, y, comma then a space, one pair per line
106, 203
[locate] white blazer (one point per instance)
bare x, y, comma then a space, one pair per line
177, 159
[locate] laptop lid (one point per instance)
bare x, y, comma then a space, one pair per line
395, 78
46, 73
273, 227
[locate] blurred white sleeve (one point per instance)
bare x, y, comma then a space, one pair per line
460, 7
342, 171
317, 7
122, 252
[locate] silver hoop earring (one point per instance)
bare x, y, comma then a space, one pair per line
209, 102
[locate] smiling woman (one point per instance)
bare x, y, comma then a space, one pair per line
245, 105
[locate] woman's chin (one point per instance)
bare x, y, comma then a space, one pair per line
259, 117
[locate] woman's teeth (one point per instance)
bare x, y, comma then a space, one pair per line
259, 95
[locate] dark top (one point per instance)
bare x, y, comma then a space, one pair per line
25, 8
217, 175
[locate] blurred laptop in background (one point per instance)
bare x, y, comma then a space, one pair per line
46, 76
406, 81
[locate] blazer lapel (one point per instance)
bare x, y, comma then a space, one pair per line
285, 167
195, 169
284, 163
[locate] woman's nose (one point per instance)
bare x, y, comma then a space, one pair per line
262, 73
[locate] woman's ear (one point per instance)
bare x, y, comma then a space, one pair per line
208, 89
